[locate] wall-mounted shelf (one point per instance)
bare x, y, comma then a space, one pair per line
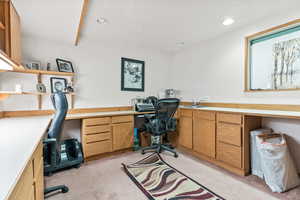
6, 94
39, 73
43, 72
9, 93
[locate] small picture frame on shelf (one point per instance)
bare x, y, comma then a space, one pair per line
58, 84
41, 88
35, 65
64, 65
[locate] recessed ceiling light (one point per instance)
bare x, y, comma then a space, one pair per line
228, 21
101, 20
180, 43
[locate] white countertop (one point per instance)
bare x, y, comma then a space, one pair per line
102, 114
256, 112
19, 139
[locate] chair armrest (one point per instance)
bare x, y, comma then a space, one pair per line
49, 141
149, 117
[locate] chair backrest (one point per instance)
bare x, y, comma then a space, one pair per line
166, 108
153, 100
60, 105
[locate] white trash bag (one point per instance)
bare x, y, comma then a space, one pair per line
277, 164
255, 156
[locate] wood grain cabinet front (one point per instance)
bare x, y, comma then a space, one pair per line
10, 31
106, 134
185, 136
30, 185
204, 133
229, 139
229, 154
96, 136
122, 135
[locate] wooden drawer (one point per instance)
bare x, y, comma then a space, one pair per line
96, 129
230, 118
98, 148
96, 121
204, 115
229, 154
120, 119
230, 133
97, 137
186, 112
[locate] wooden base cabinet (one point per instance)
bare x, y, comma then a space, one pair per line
229, 139
185, 136
96, 136
122, 135
204, 133
106, 134
220, 138
30, 186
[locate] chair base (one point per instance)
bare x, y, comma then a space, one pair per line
63, 188
158, 148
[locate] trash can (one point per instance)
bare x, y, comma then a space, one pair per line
255, 157
278, 167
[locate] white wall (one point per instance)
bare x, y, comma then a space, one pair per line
98, 73
215, 68
291, 128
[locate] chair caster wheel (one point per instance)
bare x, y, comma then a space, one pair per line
143, 152
48, 174
77, 166
176, 155
65, 189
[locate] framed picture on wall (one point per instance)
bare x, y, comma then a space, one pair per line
132, 75
58, 84
64, 65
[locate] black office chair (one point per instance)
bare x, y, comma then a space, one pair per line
153, 100
60, 154
160, 124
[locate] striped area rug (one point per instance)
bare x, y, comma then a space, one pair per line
159, 181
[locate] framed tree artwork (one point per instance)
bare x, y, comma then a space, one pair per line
273, 59
132, 75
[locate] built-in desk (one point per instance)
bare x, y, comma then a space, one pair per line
20, 138
21, 149
105, 132
20, 152
222, 135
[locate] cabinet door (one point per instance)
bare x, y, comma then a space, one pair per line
15, 35
185, 137
204, 137
122, 136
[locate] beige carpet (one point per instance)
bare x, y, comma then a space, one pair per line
104, 179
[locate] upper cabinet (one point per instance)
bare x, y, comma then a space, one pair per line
10, 31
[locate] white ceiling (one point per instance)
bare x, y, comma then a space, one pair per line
159, 24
